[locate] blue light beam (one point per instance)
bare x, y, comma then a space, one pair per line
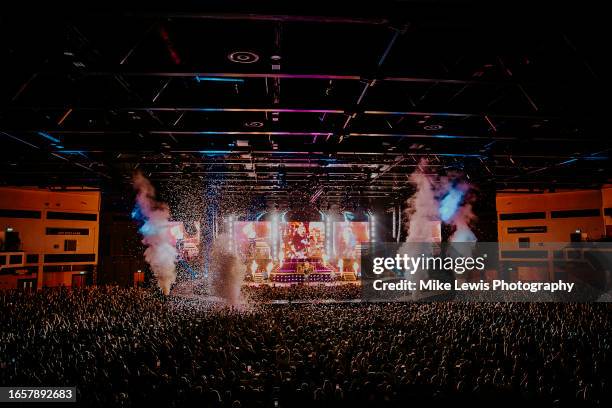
450, 204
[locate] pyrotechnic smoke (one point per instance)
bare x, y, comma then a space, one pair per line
422, 206
161, 252
456, 207
449, 204
421, 214
226, 272
436, 199
439, 199
461, 221
269, 269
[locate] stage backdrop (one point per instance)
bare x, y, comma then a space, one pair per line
348, 237
303, 240
186, 242
253, 239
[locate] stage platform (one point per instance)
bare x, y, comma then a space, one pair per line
308, 270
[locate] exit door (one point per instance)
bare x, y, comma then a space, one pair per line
26, 284
78, 281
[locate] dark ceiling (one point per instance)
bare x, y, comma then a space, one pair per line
341, 103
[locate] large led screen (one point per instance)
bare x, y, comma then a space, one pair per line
303, 240
253, 239
348, 236
186, 240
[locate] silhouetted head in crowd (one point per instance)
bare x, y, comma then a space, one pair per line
126, 347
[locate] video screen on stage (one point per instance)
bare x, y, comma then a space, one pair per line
348, 236
186, 238
303, 240
253, 239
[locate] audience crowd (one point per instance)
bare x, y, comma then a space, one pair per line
131, 347
302, 292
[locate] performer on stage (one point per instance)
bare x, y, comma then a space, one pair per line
307, 269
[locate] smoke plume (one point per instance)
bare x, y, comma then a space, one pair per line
161, 252
462, 218
226, 272
422, 206
439, 199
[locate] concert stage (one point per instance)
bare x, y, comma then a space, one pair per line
319, 251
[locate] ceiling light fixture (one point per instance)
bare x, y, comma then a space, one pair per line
243, 57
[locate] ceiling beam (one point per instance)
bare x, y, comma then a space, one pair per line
122, 71
415, 135
383, 112
281, 18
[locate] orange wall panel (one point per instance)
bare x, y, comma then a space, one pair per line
557, 229
33, 231
606, 198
